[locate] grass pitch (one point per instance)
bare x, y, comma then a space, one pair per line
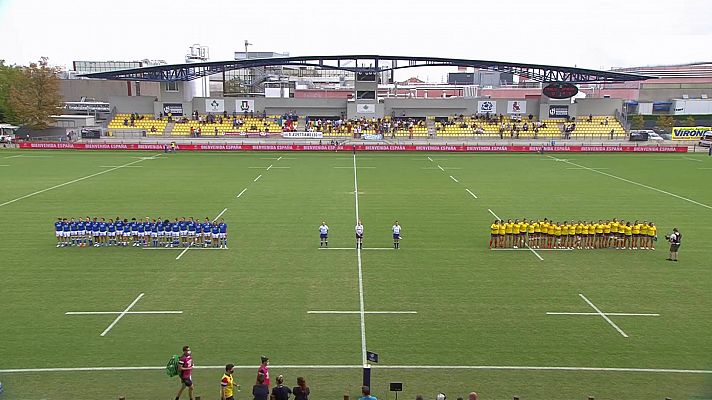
480, 314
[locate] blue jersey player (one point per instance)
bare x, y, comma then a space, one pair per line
223, 234
58, 231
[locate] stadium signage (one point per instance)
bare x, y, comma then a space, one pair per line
516, 107
487, 106
689, 133
558, 111
176, 109
360, 147
215, 105
87, 106
302, 135
370, 136
560, 90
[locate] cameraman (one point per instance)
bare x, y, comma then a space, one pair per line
674, 238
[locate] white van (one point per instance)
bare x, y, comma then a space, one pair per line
706, 140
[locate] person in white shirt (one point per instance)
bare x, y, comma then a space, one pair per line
324, 235
359, 235
396, 235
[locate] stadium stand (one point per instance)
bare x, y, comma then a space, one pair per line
219, 125
144, 122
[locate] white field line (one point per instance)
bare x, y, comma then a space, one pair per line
220, 215
430, 159
182, 252
272, 166
4, 165
243, 191
583, 169
269, 168
470, 192
258, 177
275, 167
402, 367
362, 307
279, 158
453, 178
72, 181
117, 166
445, 168
636, 183
692, 159
492, 212
195, 248
441, 168
121, 315
119, 312
353, 248
603, 315
614, 314
357, 167
365, 312
535, 253
26, 156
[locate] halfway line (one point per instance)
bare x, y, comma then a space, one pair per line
243, 191
360, 275
535, 253
258, 177
468, 191
359, 312
492, 212
119, 312
453, 178
610, 313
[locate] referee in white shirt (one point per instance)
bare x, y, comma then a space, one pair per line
359, 235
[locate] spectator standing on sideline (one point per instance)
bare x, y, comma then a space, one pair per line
260, 391
281, 392
675, 238
227, 384
301, 391
264, 370
185, 372
366, 394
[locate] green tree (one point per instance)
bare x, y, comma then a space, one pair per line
637, 121
9, 76
665, 121
690, 121
35, 96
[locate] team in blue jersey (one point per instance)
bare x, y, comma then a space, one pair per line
155, 232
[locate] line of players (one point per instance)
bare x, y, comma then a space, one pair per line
155, 232
573, 235
324, 235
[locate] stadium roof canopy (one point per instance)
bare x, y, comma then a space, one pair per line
366, 64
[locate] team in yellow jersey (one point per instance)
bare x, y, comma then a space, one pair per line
546, 234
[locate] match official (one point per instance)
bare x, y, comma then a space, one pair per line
675, 238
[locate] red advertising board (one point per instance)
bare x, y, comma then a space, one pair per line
360, 147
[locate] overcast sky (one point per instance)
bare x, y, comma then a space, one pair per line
592, 33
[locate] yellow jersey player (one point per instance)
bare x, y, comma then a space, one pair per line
494, 232
572, 234
515, 233
579, 235
537, 234
628, 232
523, 226
502, 234
565, 235
644, 245
636, 234
652, 234
508, 231
607, 234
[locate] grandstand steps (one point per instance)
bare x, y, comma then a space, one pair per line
430, 124
169, 128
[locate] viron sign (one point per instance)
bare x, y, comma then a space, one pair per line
689, 132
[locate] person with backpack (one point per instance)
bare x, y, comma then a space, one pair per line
185, 372
675, 238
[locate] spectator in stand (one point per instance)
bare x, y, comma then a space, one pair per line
301, 391
126, 122
366, 394
260, 391
590, 117
281, 392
